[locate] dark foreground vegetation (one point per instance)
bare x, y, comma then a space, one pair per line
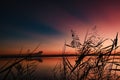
104, 64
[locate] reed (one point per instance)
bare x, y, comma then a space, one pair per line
98, 67
19, 69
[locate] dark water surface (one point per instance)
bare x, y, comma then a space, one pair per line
42, 70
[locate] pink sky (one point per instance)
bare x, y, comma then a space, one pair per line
63, 17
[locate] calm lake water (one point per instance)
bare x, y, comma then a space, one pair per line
43, 70
36, 69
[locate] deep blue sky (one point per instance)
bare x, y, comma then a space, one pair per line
26, 23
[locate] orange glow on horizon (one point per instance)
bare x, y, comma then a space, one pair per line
105, 17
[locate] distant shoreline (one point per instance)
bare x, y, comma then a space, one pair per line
48, 55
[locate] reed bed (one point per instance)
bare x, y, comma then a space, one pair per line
100, 67
19, 69
103, 66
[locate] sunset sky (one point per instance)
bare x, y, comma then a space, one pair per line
28, 23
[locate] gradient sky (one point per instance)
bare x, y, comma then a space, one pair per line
27, 23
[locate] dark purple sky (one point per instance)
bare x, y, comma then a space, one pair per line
27, 23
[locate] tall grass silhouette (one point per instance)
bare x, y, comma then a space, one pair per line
103, 65
19, 69
94, 61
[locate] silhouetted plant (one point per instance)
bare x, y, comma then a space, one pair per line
99, 66
17, 70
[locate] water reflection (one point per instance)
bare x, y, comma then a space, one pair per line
50, 67
40, 70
